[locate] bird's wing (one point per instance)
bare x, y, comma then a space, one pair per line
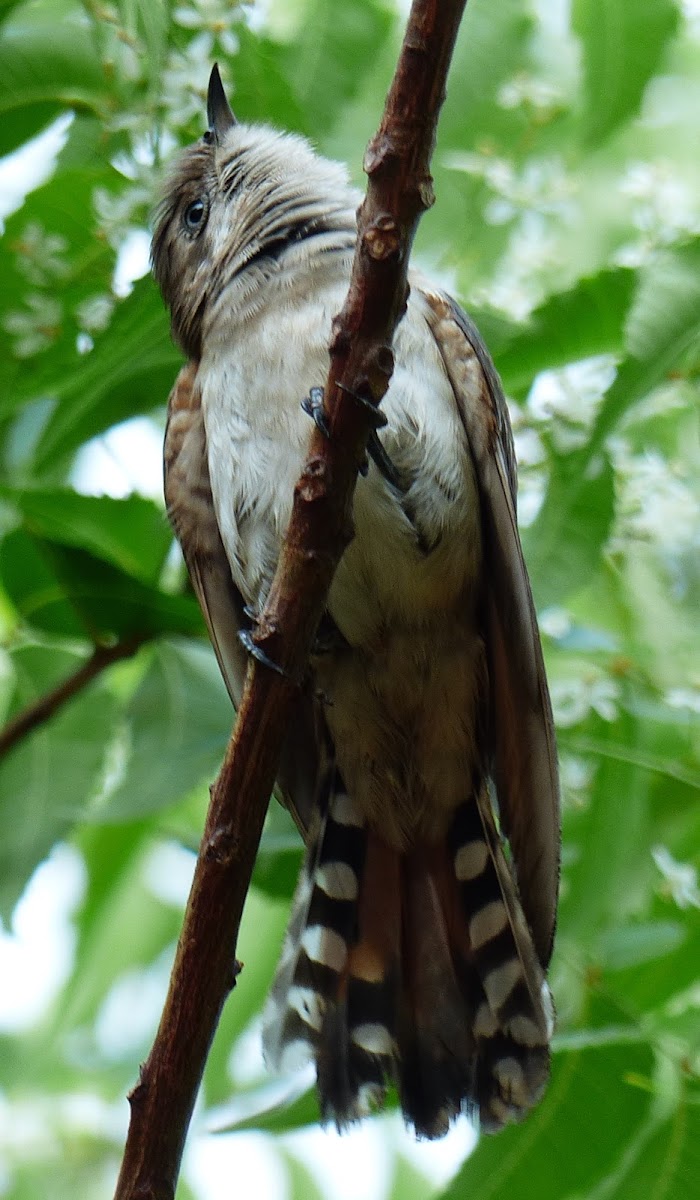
523, 743
191, 511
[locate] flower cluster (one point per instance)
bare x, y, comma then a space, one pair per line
40, 256
680, 880
36, 326
592, 691
660, 205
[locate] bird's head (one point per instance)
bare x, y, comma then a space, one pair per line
238, 208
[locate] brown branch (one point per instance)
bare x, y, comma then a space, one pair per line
399, 190
47, 706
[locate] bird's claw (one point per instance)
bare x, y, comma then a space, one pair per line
383, 463
313, 405
246, 639
375, 416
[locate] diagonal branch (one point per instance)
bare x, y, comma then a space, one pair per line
34, 715
399, 191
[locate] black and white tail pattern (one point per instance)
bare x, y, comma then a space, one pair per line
414, 969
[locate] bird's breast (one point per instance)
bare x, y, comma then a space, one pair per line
416, 547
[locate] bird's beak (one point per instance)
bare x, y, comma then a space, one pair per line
219, 112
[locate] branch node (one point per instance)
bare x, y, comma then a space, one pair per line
426, 192
340, 339
382, 239
137, 1095
155, 1191
384, 358
313, 483
378, 155
222, 847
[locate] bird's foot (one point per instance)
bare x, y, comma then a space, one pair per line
246, 639
313, 404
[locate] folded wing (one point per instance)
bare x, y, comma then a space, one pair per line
191, 511
524, 760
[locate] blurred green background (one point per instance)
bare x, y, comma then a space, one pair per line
568, 220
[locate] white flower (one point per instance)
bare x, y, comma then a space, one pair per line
555, 622
569, 702
35, 329
691, 12
604, 694
94, 313
212, 16
658, 501
529, 450
566, 400
532, 489
543, 186
119, 212
684, 1001
573, 699
688, 697
185, 80
524, 89
518, 284
536, 199
576, 776
663, 207
680, 879
40, 254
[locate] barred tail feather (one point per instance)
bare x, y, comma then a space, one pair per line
415, 969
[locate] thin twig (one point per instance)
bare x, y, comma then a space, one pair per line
205, 968
48, 705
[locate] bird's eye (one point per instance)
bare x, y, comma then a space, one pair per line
195, 215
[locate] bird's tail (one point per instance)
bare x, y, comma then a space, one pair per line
413, 969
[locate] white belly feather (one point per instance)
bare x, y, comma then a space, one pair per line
258, 436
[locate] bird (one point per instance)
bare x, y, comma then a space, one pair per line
420, 762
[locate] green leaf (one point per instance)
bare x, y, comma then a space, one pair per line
492, 45
606, 881
47, 63
623, 42
61, 590
591, 1114
260, 89
258, 950
582, 322
663, 327
279, 857
564, 544
31, 583
111, 925
130, 533
120, 927
302, 1183
408, 1181
46, 782
666, 1163
282, 1116
630, 945
335, 49
178, 724
130, 371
